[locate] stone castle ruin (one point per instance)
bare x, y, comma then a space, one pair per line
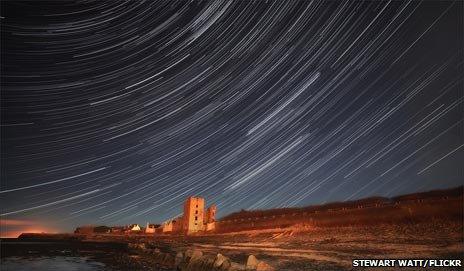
195, 218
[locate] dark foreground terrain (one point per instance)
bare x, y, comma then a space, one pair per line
294, 248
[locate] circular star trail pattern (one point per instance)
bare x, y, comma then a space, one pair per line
114, 112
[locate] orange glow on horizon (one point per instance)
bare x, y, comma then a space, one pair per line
12, 228
16, 233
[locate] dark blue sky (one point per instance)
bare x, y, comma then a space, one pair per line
115, 112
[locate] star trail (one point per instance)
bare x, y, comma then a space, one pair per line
113, 112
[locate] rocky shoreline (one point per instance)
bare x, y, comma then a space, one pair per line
188, 260
131, 256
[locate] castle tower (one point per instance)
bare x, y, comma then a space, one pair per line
194, 209
210, 216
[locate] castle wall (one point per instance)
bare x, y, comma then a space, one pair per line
210, 226
167, 227
178, 225
389, 212
149, 230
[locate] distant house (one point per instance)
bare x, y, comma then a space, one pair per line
134, 228
151, 228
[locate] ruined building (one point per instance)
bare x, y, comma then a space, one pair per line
210, 218
174, 225
151, 228
210, 215
194, 219
194, 208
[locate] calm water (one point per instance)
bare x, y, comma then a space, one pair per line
56, 263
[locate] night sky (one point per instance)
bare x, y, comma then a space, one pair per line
114, 112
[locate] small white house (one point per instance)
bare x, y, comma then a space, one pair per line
134, 227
